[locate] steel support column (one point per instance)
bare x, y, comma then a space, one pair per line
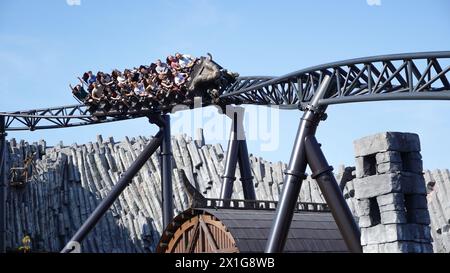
246, 171
295, 173
112, 196
237, 152
230, 160
166, 173
2, 185
329, 187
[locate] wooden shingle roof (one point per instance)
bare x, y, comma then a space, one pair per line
309, 231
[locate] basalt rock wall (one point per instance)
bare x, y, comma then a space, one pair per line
68, 182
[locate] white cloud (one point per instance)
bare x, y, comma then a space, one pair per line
73, 2
374, 2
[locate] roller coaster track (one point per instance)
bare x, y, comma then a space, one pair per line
414, 76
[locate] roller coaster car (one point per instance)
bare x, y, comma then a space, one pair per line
208, 78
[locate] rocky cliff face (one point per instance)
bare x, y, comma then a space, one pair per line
69, 181
438, 187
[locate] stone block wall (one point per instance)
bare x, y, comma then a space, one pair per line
390, 193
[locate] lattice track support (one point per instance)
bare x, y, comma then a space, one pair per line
237, 152
295, 174
412, 76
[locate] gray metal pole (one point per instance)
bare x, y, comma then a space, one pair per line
2, 185
230, 161
295, 173
246, 171
118, 188
166, 172
329, 187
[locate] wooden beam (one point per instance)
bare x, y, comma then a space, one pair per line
212, 243
193, 241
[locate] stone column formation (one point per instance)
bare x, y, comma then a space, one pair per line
438, 188
391, 194
69, 181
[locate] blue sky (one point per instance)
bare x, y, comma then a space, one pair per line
45, 45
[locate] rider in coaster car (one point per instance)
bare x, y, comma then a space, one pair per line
185, 61
91, 78
173, 63
138, 88
161, 68
151, 87
159, 82
79, 92
167, 85
97, 91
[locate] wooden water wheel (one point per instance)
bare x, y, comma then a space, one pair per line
202, 233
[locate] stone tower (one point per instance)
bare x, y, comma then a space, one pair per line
391, 194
